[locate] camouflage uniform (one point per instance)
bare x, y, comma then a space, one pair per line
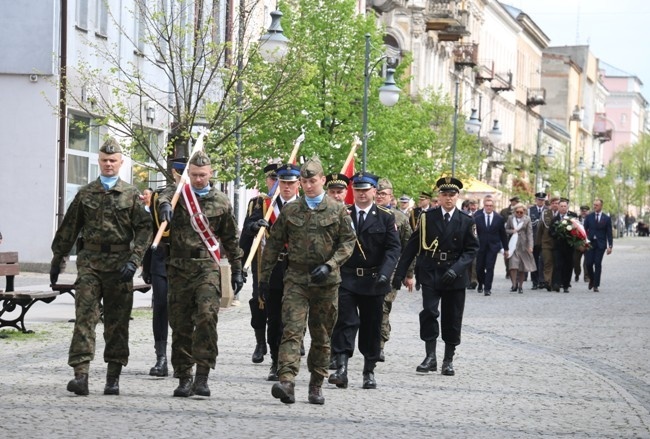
115, 229
404, 228
195, 280
320, 236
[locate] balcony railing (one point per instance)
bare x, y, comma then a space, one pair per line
447, 18
466, 55
600, 128
536, 96
502, 82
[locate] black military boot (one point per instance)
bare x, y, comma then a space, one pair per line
369, 375
340, 377
260, 347
273, 371
112, 386
160, 368
429, 364
79, 385
200, 386
184, 388
315, 395
284, 391
448, 361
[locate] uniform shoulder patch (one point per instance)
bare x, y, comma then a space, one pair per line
474, 230
385, 209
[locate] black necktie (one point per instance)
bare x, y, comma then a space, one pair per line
446, 217
360, 221
279, 203
597, 217
488, 221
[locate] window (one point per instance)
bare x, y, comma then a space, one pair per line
83, 147
102, 18
82, 14
145, 172
140, 33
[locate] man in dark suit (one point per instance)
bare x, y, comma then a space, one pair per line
491, 230
445, 244
562, 249
535, 213
599, 232
365, 280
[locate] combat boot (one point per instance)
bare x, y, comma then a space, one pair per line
448, 361
273, 371
340, 377
369, 375
315, 395
112, 386
284, 391
79, 385
333, 362
160, 368
200, 386
429, 364
184, 388
260, 347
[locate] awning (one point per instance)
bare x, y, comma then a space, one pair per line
477, 188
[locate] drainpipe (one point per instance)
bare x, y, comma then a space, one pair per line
63, 59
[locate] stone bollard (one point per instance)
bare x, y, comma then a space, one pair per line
226, 289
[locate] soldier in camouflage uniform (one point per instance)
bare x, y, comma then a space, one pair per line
318, 236
384, 193
194, 277
114, 231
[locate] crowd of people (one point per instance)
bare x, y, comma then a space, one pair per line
323, 265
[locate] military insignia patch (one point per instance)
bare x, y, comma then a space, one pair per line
474, 230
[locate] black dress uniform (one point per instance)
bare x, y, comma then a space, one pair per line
444, 252
266, 312
535, 213
365, 282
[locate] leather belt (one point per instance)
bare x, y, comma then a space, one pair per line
190, 254
106, 248
442, 256
361, 271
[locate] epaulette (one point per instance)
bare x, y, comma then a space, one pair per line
385, 209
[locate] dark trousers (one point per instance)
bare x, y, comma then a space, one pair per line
362, 313
452, 305
563, 260
485, 260
535, 275
258, 315
160, 307
594, 263
274, 320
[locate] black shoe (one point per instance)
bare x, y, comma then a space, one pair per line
488, 293
273, 372
184, 388
521, 290
316, 395
302, 348
591, 284
284, 392
333, 365
577, 277
534, 287
369, 380
556, 288
429, 364
596, 290
160, 368
447, 368
566, 290
480, 289
112, 386
472, 285
200, 386
513, 289
79, 384
340, 377
258, 354
382, 357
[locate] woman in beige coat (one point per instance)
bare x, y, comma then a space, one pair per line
520, 230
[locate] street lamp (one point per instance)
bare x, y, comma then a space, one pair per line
388, 96
473, 126
273, 44
273, 47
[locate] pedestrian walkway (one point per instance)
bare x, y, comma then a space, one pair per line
532, 365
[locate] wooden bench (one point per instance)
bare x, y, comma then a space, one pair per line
10, 317
9, 267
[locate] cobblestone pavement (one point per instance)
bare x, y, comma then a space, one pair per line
532, 365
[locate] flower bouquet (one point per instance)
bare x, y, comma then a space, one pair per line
571, 231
